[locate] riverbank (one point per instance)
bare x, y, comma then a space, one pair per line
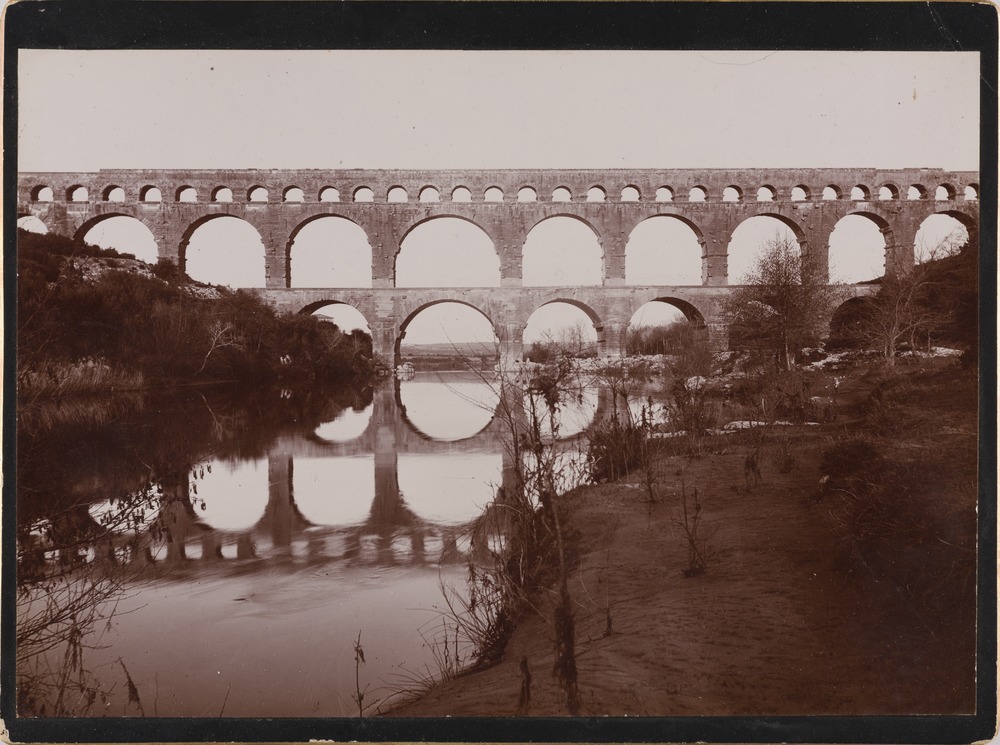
799, 611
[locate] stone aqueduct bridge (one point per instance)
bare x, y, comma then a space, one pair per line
278, 203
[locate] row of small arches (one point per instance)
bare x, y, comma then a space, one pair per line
397, 194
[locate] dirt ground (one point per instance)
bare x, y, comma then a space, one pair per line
784, 621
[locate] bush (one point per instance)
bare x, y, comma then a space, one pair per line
614, 449
849, 462
163, 332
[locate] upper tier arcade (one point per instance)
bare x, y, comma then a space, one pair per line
506, 204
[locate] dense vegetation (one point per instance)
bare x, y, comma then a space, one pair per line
93, 319
673, 338
936, 303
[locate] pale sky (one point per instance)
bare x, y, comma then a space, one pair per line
86, 110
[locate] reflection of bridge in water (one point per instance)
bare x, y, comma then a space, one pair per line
180, 540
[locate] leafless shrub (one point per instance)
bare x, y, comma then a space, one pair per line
690, 523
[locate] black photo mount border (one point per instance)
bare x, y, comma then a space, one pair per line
296, 25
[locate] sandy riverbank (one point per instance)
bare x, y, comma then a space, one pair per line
786, 620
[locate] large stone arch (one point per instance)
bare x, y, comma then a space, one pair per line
691, 312
897, 257
793, 225
548, 217
437, 210
696, 316
968, 220
315, 305
805, 249
309, 220
411, 313
657, 211
203, 219
605, 341
91, 222
439, 214
88, 224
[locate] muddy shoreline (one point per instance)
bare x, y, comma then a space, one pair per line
787, 620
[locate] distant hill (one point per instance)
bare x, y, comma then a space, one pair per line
448, 349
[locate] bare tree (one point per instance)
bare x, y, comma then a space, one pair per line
911, 304
785, 304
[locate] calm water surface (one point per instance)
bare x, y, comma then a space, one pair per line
256, 539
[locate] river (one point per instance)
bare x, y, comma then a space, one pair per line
245, 543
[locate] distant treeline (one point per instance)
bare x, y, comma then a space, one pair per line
90, 319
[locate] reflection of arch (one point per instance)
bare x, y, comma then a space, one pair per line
349, 425
233, 496
460, 390
319, 503
413, 314
455, 497
315, 218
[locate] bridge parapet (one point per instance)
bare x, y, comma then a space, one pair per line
647, 183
